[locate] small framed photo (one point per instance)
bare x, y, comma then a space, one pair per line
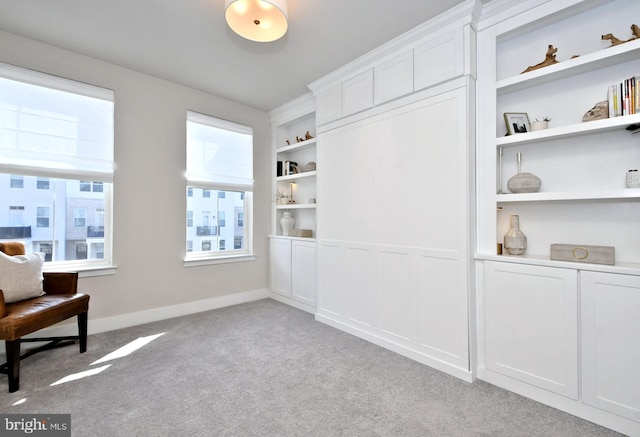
517, 122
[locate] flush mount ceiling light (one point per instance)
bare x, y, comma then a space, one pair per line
257, 20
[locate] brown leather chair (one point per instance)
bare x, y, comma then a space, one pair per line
60, 302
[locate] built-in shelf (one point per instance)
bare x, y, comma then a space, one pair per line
291, 177
288, 237
624, 193
297, 146
625, 268
571, 67
572, 130
297, 206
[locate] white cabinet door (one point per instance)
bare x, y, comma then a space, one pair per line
531, 325
280, 263
611, 342
439, 59
303, 271
357, 93
393, 78
329, 105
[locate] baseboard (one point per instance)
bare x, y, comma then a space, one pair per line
576, 408
106, 324
291, 302
418, 356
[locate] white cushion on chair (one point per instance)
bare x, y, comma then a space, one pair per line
21, 276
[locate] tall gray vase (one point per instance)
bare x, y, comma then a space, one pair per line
515, 242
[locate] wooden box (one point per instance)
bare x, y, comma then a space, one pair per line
584, 254
301, 233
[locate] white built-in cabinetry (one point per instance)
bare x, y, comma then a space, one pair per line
423, 61
293, 270
293, 259
531, 325
610, 326
395, 141
563, 333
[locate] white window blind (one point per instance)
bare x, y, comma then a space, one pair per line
219, 153
54, 127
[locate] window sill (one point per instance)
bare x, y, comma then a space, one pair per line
84, 272
195, 262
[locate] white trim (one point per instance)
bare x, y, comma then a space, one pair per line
196, 262
421, 357
112, 323
562, 403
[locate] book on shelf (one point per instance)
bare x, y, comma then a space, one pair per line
624, 98
286, 168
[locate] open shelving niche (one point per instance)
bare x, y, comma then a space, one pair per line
583, 199
303, 152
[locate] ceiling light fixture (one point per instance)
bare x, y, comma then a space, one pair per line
257, 20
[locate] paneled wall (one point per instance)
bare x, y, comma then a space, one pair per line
393, 252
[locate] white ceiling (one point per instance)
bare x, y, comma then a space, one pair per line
188, 41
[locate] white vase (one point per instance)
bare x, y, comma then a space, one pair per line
287, 222
515, 242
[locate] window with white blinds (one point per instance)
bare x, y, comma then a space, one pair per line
56, 136
219, 187
54, 127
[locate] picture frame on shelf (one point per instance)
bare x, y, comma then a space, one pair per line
517, 122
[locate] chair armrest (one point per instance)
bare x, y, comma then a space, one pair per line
3, 306
60, 282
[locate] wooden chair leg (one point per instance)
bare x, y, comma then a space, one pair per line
82, 331
12, 348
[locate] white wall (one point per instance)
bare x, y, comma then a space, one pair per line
149, 191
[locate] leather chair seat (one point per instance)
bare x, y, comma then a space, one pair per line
25, 317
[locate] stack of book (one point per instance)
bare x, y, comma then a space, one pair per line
286, 168
624, 98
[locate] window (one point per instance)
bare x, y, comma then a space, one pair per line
47, 249
16, 181
219, 184
42, 183
189, 219
56, 144
42, 220
91, 186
